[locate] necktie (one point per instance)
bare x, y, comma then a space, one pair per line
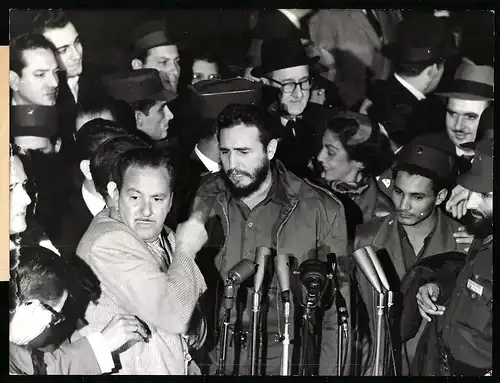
371, 15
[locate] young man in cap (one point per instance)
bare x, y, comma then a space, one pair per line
153, 48
255, 201
287, 69
33, 71
460, 311
418, 229
403, 104
143, 90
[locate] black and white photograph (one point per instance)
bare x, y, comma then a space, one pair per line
251, 192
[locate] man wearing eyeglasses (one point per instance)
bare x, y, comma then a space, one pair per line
286, 68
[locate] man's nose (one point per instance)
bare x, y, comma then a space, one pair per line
474, 201
297, 92
146, 209
405, 204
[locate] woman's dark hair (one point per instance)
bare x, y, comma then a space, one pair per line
363, 141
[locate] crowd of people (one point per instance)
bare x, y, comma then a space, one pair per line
136, 196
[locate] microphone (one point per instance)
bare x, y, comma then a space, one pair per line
363, 261
281, 263
313, 277
262, 255
378, 267
238, 274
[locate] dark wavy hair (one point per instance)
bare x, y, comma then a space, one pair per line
374, 152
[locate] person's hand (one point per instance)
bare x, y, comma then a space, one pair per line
191, 235
426, 296
463, 237
457, 203
123, 328
367, 103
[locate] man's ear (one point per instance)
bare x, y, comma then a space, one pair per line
57, 146
139, 116
136, 64
14, 80
441, 196
113, 192
85, 169
271, 148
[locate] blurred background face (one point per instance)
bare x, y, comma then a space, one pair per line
413, 197
19, 199
204, 70
69, 48
145, 200
42, 144
39, 80
155, 124
165, 59
462, 119
334, 160
295, 102
480, 206
243, 158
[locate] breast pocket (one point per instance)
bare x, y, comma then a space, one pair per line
475, 303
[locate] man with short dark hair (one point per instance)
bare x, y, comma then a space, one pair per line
255, 201
418, 229
152, 47
33, 71
145, 268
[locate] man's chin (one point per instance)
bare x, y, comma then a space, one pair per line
478, 226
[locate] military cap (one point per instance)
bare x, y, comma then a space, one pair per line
150, 34
479, 178
137, 85
419, 39
33, 120
471, 82
210, 97
426, 156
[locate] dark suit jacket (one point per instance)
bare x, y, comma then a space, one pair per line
74, 222
402, 114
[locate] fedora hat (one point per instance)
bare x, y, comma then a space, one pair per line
280, 53
471, 82
419, 39
479, 178
33, 120
149, 34
137, 85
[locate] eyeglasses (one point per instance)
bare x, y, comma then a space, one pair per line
290, 87
201, 77
56, 316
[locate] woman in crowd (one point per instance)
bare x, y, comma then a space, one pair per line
35, 308
354, 151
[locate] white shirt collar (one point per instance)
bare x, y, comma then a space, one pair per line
290, 16
418, 94
211, 165
460, 152
73, 86
94, 204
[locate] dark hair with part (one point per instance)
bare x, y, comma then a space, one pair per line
103, 164
249, 116
438, 183
93, 134
374, 152
26, 42
141, 158
49, 19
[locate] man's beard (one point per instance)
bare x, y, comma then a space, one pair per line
479, 227
259, 175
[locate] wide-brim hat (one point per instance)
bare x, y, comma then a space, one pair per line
150, 34
281, 53
420, 39
472, 82
479, 178
210, 97
137, 85
33, 120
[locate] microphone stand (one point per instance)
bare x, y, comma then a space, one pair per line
262, 255
380, 317
284, 370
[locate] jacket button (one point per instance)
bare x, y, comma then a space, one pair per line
473, 295
250, 224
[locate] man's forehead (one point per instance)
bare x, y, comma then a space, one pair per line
467, 106
62, 36
240, 133
414, 183
135, 171
293, 73
34, 142
164, 51
40, 58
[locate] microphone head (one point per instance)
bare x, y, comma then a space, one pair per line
364, 262
282, 266
378, 267
241, 271
262, 254
312, 272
